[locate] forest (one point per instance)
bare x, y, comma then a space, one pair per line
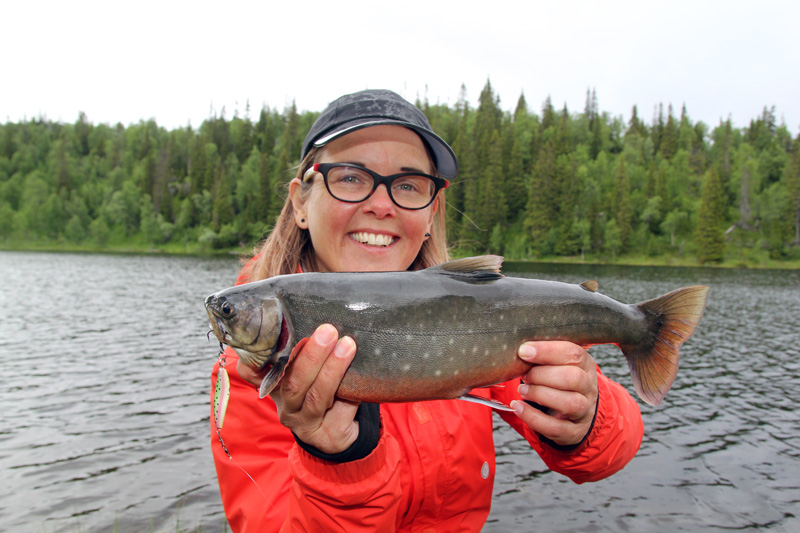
548, 184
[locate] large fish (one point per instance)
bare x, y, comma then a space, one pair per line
441, 332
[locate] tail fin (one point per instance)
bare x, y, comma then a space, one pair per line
677, 314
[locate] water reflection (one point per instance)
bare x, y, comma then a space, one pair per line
105, 404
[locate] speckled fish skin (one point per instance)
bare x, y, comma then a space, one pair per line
440, 332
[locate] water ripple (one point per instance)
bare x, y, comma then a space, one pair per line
106, 415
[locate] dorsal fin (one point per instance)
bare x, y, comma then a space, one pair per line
590, 285
480, 268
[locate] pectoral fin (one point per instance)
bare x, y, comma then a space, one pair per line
276, 372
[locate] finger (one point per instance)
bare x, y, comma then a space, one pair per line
566, 378
320, 395
303, 370
562, 432
555, 353
247, 373
565, 405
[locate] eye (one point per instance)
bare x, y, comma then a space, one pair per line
227, 309
348, 176
412, 184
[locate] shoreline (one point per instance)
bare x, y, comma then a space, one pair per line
761, 263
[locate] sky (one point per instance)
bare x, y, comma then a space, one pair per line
179, 62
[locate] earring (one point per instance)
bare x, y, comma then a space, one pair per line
302, 220
427, 234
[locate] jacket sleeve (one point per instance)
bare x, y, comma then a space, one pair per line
270, 484
612, 442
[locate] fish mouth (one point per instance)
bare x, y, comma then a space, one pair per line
380, 240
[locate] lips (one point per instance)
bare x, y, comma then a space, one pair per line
372, 239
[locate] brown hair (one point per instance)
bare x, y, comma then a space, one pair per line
287, 247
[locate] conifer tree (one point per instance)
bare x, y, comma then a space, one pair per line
222, 212
710, 238
622, 204
669, 138
792, 180
540, 212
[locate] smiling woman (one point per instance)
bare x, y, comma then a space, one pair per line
369, 197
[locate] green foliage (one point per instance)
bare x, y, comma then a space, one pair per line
551, 183
710, 232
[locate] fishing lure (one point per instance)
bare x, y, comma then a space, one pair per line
222, 393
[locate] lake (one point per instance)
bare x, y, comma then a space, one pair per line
105, 404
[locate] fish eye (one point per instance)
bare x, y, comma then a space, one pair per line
227, 309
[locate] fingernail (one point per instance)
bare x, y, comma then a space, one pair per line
523, 389
527, 351
344, 347
516, 405
325, 334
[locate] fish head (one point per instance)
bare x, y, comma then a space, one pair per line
254, 326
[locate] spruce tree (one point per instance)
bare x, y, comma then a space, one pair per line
709, 234
622, 204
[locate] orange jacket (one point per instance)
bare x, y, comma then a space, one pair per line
432, 470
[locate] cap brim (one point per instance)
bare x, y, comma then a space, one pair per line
445, 158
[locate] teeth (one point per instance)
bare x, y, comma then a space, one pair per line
372, 239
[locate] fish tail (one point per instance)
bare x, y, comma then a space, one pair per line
674, 316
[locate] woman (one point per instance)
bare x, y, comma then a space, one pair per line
322, 464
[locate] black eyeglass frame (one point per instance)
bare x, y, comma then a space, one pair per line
378, 179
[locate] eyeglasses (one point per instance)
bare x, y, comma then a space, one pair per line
352, 183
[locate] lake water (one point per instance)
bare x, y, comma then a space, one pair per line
105, 405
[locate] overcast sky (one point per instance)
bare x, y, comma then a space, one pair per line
175, 61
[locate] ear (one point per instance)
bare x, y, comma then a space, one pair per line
298, 204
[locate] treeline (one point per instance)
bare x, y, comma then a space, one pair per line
553, 183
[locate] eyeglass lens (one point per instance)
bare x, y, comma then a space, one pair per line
352, 184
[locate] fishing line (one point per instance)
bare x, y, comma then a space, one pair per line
222, 393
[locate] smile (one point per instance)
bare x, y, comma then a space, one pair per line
372, 239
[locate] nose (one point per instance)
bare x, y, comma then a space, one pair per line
380, 203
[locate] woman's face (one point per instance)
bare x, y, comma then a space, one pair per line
373, 235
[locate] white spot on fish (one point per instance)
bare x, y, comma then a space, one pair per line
426, 355
502, 317
455, 373
409, 337
359, 306
474, 349
452, 341
437, 373
406, 368
378, 352
505, 347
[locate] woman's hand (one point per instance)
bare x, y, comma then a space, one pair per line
305, 395
563, 380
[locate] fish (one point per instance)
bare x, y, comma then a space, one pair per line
441, 332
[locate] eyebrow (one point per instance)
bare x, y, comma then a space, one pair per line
402, 169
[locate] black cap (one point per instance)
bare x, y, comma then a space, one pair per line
375, 107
